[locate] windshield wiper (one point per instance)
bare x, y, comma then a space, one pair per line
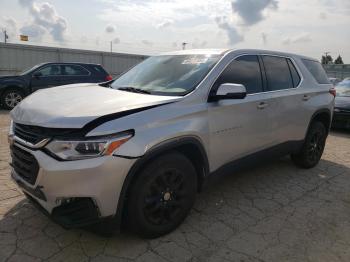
134, 90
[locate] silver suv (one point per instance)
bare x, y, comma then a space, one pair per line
138, 149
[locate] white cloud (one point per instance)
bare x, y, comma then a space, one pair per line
45, 19
33, 31
323, 16
11, 27
199, 44
116, 41
146, 42
110, 29
302, 38
264, 38
165, 23
251, 11
233, 36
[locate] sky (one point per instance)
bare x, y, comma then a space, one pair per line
149, 27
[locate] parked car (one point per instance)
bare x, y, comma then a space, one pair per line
341, 117
334, 80
137, 153
14, 88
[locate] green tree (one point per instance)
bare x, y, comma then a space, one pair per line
326, 60
339, 60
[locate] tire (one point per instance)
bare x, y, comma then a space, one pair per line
10, 98
312, 149
162, 195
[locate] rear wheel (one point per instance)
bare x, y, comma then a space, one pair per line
162, 196
11, 98
311, 152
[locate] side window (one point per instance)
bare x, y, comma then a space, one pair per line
295, 76
51, 70
75, 70
277, 73
316, 69
244, 70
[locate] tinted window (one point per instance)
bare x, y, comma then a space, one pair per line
52, 70
295, 76
277, 73
75, 70
99, 69
316, 69
244, 70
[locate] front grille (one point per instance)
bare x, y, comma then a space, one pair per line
35, 134
31, 134
24, 164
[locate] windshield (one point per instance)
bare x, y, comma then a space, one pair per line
343, 88
173, 75
30, 69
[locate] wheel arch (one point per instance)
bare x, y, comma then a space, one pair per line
324, 116
191, 147
13, 87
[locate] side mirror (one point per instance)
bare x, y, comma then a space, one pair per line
230, 91
37, 74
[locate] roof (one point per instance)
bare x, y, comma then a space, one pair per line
69, 63
196, 52
224, 51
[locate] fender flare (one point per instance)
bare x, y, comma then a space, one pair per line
318, 112
153, 152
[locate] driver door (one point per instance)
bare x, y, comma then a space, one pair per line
239, 127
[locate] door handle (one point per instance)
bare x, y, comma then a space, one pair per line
262, 105
306, 97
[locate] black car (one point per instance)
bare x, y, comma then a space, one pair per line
341, 117
14, 88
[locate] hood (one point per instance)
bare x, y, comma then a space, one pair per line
9, 77
342, 101
73, 106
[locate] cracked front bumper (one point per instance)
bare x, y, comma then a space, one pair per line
73, 188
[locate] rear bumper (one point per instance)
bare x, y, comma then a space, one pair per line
76, 193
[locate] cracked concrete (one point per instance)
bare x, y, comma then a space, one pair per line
274, 212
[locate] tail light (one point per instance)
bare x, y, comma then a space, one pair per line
109, 78
333, 92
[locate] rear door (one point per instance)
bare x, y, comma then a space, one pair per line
239, 127
74, 74
50, 76
285, 98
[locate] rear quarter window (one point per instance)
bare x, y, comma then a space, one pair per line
99, 69
317, 71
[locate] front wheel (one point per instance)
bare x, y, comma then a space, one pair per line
162, 195
311, 152
11, 98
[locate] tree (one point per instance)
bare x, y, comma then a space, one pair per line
326, 59
339, 60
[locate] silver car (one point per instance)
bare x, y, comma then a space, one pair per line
136, 151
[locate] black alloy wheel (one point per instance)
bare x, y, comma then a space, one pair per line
162, 195
312, 149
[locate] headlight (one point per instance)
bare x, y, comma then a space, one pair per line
89, 148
